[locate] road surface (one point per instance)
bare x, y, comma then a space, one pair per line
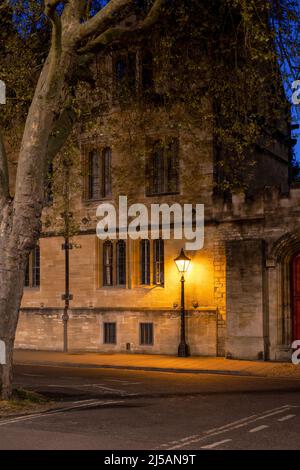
122, 410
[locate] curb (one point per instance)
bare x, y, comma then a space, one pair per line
149, 369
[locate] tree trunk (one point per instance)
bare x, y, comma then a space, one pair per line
20, 218
12, 269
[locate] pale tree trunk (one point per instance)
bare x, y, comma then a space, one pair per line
12, 267
21, 217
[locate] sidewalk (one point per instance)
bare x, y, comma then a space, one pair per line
211, 365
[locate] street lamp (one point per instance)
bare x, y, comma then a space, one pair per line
182, 262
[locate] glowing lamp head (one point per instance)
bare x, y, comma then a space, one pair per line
182, 262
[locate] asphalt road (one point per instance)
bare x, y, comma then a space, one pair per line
122, 410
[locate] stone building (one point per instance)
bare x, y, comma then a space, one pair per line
242, 289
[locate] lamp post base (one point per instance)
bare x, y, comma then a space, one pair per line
183, 350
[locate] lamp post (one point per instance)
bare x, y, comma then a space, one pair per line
67, 296
182, 262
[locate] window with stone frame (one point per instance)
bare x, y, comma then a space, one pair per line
162, 169
108, 264
146, 334
145, 262
106, 173
99, 175
121, 263
158, 262
114, 267
109, 333
32, 272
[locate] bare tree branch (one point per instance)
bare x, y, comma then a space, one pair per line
112, 13
117, 33
50, 12
50, 9
4, 178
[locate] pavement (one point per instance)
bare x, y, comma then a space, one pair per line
159, 363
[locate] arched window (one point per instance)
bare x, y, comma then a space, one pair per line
121, 263
158, 172
93, 175
32, 273
145, 261
108, 263
106, 172
173, 166
99, 183
163, 167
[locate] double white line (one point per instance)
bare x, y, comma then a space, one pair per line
173, 445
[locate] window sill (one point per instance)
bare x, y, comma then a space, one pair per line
175, 193
92, 201
112, 288
27, 288
148, 286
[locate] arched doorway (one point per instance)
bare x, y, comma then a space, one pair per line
283, 286
295, 295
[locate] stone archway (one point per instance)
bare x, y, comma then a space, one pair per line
280, 293
295, 295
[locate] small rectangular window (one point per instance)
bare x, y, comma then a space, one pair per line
110, 333
146, 333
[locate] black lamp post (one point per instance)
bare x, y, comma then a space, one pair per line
182, 262
67, 296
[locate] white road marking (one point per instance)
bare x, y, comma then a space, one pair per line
230, 424
59, 411
259, 428
229, 427
123, 382
106, 389
216, 444
285, 418
83, 401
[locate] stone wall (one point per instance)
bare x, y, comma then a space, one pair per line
245, 299
43, 329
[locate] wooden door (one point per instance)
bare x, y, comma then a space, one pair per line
296, 297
